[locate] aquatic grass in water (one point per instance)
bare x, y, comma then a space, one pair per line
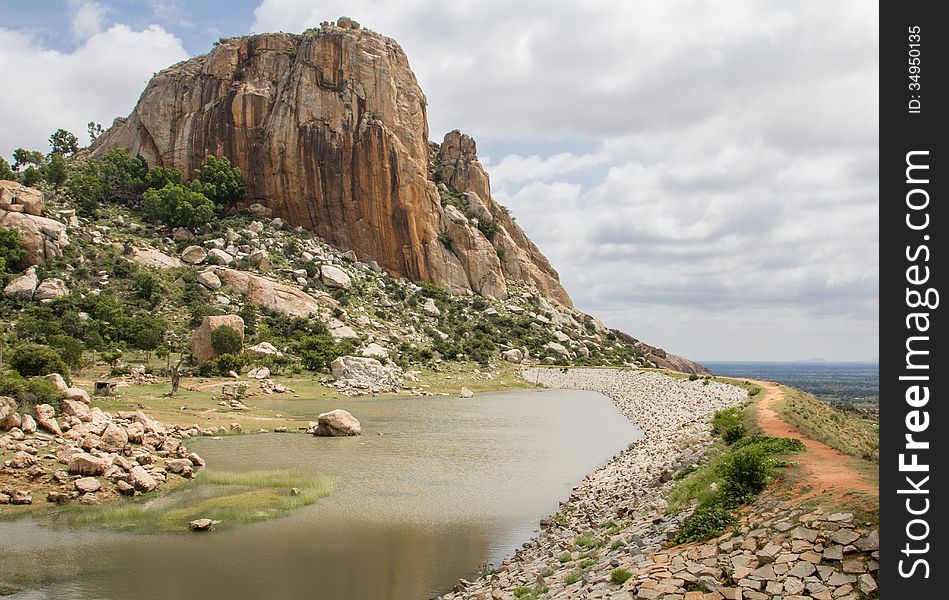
231, 498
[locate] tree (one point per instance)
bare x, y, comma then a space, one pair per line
176, 206
159, 177
32, 360
63, 143
124, 174
22, 157
56, 170
95, 130
317, 351
147, 286
11, 249
225, 340
219, 181
85, 187
32, 176
5, 171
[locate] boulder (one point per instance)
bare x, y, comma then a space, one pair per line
466, 393
555, 348
259, 373
87, 485
21, 497
113, 438
201, 347
364, 374
77, 394
181, 234
430, 309
9, 418
513, 355
27, 424
181, 466
46, 418
263, 350
42, 239
87, 464
194, 255
76, 409
374, 350
337, 423
141, 480
267, 293
58, 381
15, 197
261, 259
335, 277
135, 432
216, 256
209, 280
22, 460
200, 525
154, 259
23, 287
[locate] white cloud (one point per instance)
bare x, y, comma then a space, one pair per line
725, 201
98, 81
87, 20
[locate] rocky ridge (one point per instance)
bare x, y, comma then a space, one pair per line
330, 128
615, 519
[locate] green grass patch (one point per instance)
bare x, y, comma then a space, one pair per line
572, 578
620, 576
587, 540
232, 498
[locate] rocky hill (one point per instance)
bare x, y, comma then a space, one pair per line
330, 129
346, 231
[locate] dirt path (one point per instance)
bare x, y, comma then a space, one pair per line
826, 470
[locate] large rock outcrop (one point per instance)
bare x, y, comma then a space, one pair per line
331, 132
201, 347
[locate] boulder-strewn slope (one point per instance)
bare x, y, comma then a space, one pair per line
330, 129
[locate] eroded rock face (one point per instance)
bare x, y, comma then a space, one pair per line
519, 258
330, 129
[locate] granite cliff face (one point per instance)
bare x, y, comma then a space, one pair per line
331, 132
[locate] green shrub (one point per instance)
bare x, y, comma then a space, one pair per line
30, 360
572, 578
620, 576
30, 392
708, 520
176, 206
729, 425
225, 340
221, 183
227, 363
771, 445
745, 472
11, 249
318, 351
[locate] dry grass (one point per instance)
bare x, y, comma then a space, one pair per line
850, 434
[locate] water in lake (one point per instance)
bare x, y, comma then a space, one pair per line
448, 485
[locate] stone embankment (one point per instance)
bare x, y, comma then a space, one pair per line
611, 538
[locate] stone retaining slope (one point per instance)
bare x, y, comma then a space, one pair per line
779, 551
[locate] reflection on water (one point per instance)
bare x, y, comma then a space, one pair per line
433, 488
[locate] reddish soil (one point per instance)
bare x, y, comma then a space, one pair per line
825, 469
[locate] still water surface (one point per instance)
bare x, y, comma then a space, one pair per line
448, 485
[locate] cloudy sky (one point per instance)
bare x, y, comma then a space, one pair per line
703, 174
